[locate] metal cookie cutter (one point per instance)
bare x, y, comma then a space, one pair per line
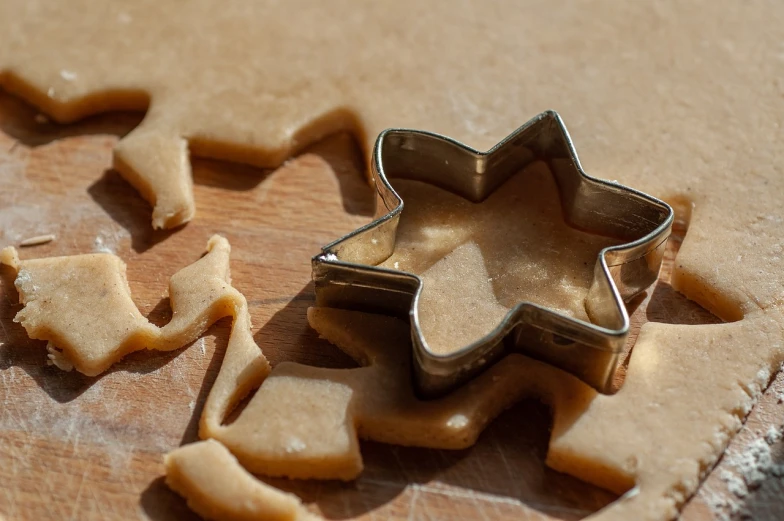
346, 275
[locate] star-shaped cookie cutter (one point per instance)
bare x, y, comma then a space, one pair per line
346, 274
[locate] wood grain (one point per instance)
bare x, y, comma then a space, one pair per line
73, 447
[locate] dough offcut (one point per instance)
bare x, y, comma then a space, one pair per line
82, 306
681, 101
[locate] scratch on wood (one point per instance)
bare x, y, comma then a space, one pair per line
509, 472
473, 495
412, 505
75, 509
97, 504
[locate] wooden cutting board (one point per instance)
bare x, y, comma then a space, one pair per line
73, 447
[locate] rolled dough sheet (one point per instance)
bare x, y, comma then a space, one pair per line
696, 121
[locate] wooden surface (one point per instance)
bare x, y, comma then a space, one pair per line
73, 447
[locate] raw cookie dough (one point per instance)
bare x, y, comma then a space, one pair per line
696, 121
219, 489
304, 421
82, 306
520, 241
452, 312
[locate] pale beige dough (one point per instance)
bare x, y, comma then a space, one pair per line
457, 305
219, 489
82, 306
683, 101
304, 421
517, 238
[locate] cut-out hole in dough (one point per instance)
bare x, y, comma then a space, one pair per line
662, 303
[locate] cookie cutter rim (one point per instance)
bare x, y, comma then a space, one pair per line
346, 274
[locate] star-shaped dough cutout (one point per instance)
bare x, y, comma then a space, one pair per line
350, 272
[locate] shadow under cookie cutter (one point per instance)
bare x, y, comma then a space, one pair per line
346, 275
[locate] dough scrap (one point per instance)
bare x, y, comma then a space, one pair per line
219, 489
696, 121
82, 306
